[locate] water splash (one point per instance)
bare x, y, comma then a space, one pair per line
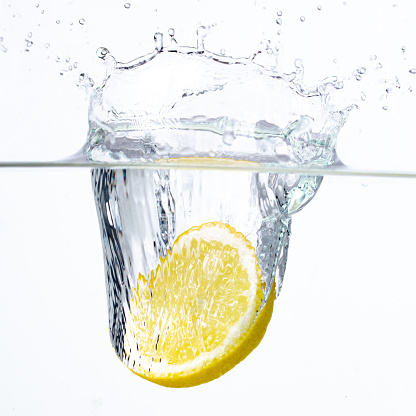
181, 101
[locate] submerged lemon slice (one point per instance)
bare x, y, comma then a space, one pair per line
197, 315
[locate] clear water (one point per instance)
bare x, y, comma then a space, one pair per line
205, 108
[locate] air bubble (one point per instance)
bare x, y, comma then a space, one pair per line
127, 5
82, 21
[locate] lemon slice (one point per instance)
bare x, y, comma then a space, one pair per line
197, 315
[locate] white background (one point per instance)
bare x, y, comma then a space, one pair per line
341, 340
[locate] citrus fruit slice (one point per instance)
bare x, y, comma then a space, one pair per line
197, 315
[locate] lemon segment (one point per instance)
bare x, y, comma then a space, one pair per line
194, 318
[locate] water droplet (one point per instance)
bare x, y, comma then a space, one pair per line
373, 57
102, 52
335, 61
279, 32
29, 35
279, 13
158, 41
43, 11
379, 66
228, 138
58, 21
67, 59
412, 71
403, 49
302, 18
363, 96
384, 107
47, 45
171, 32
394, 4
361, 70
127, 5
389, 90
319, 7
81, 21
70, 67
202, 32
358, 77
75, 64
37, 5
222, 52
410, 89
279, 21
29, 43
71, 24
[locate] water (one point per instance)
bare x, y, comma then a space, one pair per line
285, 144
185, 106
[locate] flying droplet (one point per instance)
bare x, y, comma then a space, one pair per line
319, 7
413, 71
279, 21
82, 21
302, 18
279, 13
102, 52
384, 107
127, 5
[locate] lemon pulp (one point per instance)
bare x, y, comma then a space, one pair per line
194, 318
